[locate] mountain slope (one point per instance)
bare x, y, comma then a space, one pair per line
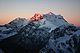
28, 39
51, 21
64, 39
48, 21
47, 33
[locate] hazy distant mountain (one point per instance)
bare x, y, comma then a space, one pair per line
47, 33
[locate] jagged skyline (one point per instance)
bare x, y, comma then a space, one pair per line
9, 9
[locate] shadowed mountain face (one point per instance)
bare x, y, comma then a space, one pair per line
27, 39
64, 39
47, 33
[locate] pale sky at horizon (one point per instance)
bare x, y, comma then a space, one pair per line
10, 9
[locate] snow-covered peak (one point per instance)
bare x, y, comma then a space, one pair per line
55, 19
51, 21
36, 17
50, 13
19, 22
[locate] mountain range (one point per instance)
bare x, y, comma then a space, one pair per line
47, 33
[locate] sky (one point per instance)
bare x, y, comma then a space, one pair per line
11, 9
